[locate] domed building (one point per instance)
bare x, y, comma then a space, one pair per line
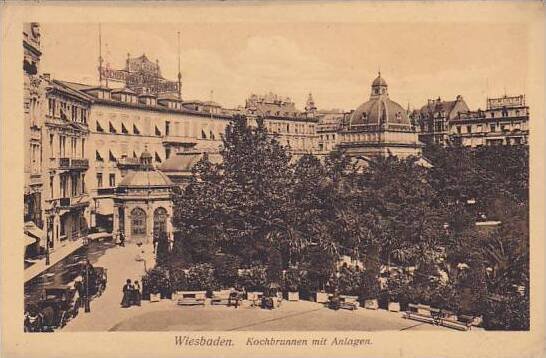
143, 203
379, 126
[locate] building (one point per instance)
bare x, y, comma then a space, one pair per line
330, 123
33, 121
143, 203
505, 121
379, 127
432, 120
293, 129
65, 144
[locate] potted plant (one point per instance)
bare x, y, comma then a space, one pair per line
370, 290
292, 281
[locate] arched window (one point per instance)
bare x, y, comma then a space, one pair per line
160, 220
138, 222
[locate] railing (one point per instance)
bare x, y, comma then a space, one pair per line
70, 163
68, 202
105, 191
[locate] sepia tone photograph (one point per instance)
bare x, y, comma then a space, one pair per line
238, 174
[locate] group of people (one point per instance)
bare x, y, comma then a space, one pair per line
131, 294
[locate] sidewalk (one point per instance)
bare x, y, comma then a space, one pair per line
122, 264
54, 257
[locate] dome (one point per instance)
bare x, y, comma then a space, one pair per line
379, 81
141, 178
379, 110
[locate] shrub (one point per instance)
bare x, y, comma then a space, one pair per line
369, 288
292, 279
156, 280
253, 279
508, 313
201, 277
226, 270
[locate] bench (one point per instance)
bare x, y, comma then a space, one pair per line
348, 302
422, 313
220, 297
191, 298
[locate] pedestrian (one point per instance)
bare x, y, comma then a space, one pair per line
127, 291
137, 293
78, 285
121, 239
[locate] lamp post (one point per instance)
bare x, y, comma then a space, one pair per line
87, 304
48, 234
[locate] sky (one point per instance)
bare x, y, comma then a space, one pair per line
335, 61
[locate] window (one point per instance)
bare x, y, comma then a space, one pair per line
160, 220
123, 129
468, 129
52, 107
135, 129
112, 129
458, 129
112, 180
138, 222
99, 180
51, 137
157, 131
51, 187
83, 184
63, 186
203, 135
492, 127
157, 158
111, 156
167, 153
99, 128
74, 186
167, 127
98, 157
492, 114
83, 148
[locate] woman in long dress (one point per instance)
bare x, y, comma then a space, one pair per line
127, 292
136, 293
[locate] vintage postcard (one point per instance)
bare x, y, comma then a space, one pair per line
256, 179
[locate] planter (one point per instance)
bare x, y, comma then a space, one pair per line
394, 306
155, 297
293, 296
322, 297
371, 304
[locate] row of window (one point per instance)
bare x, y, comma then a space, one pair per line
111, 180
492, 128
69, 185
167, 130
59, 149
113, 157
281, 127
66, 110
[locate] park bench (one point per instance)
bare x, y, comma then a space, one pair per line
422, 313
191, 298
220, 297
348, 302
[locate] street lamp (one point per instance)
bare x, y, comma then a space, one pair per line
48, 234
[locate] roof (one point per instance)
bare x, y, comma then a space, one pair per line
145, 178
62, 87
379, 81
185, 161
380, 110
450, 108
124, 90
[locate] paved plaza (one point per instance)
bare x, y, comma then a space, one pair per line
107, 315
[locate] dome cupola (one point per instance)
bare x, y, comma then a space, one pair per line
379, 86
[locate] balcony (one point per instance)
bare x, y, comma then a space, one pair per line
105, 191
183, 141
73, 202
65, 163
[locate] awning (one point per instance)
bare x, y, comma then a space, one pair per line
33, 230
29, 240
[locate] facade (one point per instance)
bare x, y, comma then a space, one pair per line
329, 124
293, 129
379, 127
65, 141
143, 203
33, 97
432, 120
505, 121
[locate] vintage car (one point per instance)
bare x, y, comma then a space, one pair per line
58, 305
